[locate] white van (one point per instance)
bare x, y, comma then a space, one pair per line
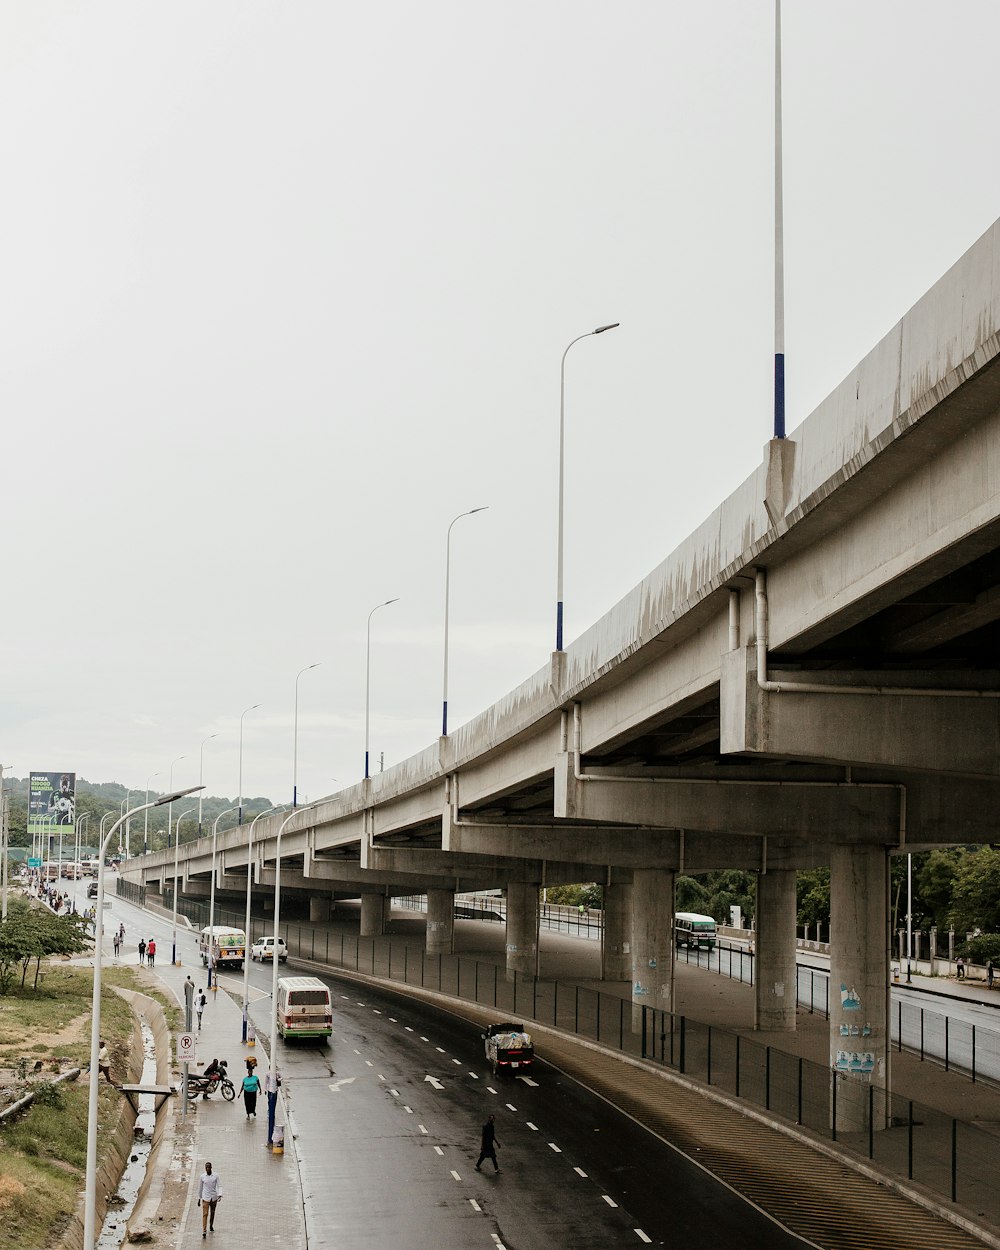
230, 946
303, 1008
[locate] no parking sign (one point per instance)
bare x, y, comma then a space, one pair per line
187, 1048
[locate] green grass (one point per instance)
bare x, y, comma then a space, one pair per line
43, 1153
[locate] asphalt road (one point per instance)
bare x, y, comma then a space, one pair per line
387, 1121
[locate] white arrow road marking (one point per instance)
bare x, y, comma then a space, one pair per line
435, 1083
528, 1081
344, 1080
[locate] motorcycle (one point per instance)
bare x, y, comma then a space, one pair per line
206, 1085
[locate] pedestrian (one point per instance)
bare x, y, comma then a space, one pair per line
121, 933
251, 1088
489, 1144
117, 943
104, 1061
960, 968
209, 1195
142, 951
200, 1002
150, 952
990, 970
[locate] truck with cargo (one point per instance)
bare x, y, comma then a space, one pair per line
508, 1048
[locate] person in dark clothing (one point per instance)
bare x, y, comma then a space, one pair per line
489, 1144
142, 950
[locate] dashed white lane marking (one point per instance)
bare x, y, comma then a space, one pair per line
580, 1172
393, 1020
357, 1052
455, 1174
381, 1077
533, 1127
408, 1110
610, 1201
407, 1028
474, 1075
528, 1081
475, 1205
510, 1106
360, 1003
458, 1061
439, 1049
438, 1150
421, 1127
499, 1243
376, 1011
424, 1039
491, 1089
345, 998
642, 1236
394, 1092
369, 1064
553, 1146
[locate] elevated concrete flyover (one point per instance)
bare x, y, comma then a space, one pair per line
811, 677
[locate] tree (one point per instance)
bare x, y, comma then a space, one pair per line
34, 933
813, 896
975, 901
935, 883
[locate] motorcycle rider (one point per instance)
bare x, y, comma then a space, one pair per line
214, 1072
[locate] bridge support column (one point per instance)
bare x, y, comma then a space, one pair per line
319, 908
774, 1000
522, 929
373, 913
616, 944
652, 942
859, 984
440, 922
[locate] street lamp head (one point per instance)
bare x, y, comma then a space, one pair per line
388, 601
613, 326
484, 508
177, 794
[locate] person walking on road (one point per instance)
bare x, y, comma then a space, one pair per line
990, 972
200, 1002
104, 1061
489, 1144
151, 952
251, 1088
209, 1195
960, 968
117, 944
142, 951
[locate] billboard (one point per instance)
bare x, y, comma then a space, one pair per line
52, 803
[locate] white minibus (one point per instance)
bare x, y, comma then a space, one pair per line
303, 1008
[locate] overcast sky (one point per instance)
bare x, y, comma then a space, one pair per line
285, 287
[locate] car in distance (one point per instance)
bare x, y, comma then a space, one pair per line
263, 949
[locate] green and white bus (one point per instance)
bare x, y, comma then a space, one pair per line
692, 929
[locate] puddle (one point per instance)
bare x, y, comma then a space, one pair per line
121, 1206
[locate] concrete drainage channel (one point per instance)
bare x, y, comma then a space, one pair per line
122, 1203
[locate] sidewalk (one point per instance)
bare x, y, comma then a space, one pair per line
261, 1204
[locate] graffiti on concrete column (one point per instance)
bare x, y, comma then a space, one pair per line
855, 1061
638, 989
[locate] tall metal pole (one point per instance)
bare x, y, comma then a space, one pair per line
246, 961
240, 803
295, 736
562, 477
201, 778
90, 1190
368, 674
145, 819
779, 241
4, 836
170, 806
447, 597
211, 900
177, 844
909, 914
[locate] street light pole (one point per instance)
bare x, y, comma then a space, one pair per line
177, 843
240, 805
201, 770
211, 899
145, 819
246, 961
4, 837
90, 1191
295, 736
447, 595
368, 674
909, 914
562, 475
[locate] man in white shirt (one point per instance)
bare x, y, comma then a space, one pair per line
209, 1195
